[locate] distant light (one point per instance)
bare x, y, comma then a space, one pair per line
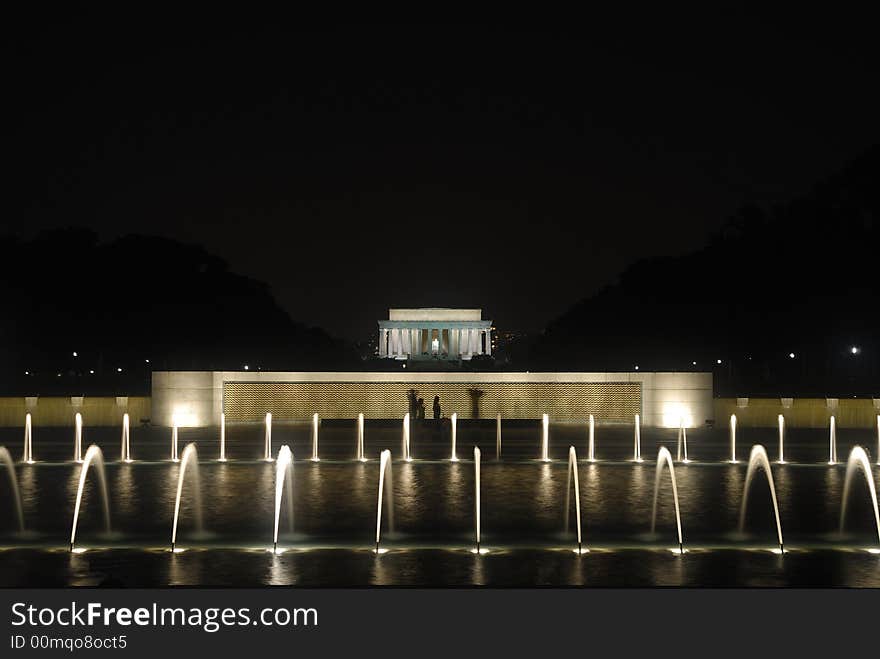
92, 372
119, 370
74, 353
855, 350
719, 361
27, 372
246, 367
59, 375
147, 361
694, 363
791, 355
637, 367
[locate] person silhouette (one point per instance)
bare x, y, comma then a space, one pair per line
420, 409
437, 411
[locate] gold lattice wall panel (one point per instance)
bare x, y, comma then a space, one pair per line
608, 401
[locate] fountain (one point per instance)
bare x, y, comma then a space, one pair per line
125, 451
93, 454
406, 436
878, 439
189, 455
780, 421
733, 438
682, 441
77, 437
315, 457
858, 459
28, 456
284, 467
573, 474
832, 442
267, 448
665, 458
360, 438
637, 440
6, 460
477, 496
545, 438
174, 457
591, 444
222, 457
384, 466
498, 434
454, 457
758, 458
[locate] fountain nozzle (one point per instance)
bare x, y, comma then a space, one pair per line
173, 545
71, 547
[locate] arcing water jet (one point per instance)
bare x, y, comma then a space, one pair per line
573, 476
665, 458
384, 466
6, 460
858, 460
758, 459
93, 455
190, 456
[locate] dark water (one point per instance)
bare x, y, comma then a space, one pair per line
523, 517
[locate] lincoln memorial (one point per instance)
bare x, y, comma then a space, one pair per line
439, 334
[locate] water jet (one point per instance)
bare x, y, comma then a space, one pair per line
267, 440
591, 444
125, 451
682, 441
283, 468
6, 460
780, 422
858, 460
28, 456
77, 437
477, 496
758, 459
93, 455
498, 434
315, 457
174, 457
664, 458
733, 438
190, 455
406, 437
545, 438
384, 466
222, 457
573, 475
359, 453
637, 440
454, 429
832, 441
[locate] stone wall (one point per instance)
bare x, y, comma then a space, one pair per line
60, 410
799, 412
197, 398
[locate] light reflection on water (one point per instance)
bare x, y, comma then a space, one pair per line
523, 499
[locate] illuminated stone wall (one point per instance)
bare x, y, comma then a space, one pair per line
663, 399
60, 410
608, 401
799, 412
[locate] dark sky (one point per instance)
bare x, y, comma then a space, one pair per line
361, 167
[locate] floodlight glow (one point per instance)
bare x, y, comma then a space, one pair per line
677, 414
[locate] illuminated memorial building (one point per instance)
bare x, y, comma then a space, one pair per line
435, 334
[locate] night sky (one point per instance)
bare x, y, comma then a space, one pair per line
357, 168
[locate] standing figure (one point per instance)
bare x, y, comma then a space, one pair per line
437, 411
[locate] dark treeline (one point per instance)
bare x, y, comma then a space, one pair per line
801, 278
138, 298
